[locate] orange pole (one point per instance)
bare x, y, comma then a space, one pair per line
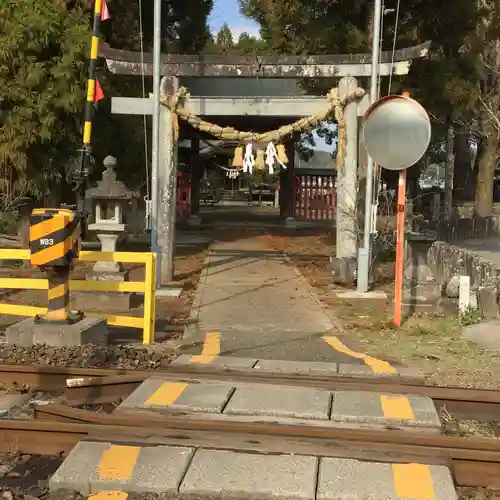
400, 245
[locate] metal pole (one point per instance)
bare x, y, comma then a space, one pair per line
364, 253
155, 142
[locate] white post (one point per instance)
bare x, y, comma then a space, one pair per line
464, 295
347, 230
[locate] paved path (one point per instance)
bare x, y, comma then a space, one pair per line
261, 306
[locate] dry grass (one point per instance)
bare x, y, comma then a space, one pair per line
478, 494
468, 428
427, 341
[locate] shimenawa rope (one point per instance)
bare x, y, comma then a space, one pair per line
175, 102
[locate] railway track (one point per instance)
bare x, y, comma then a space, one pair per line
57, 429
473, 461
103, 385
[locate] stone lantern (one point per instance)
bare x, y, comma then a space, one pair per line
108, 200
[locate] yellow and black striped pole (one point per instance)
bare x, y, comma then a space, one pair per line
54, 243
58, 303
89, 105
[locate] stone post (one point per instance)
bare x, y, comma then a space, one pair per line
436, 207
344, 263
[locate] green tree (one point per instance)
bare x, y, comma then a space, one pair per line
486, 45
223, 43
248, 44
311, 26
44, 47
42, 66
445, 81
224, 38
184, 25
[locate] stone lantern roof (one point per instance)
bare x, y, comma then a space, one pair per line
108, 188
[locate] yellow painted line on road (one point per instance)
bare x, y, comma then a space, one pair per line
166, 394
118, 462
397, 407
377, 365
109, 495
413, 481
211, 349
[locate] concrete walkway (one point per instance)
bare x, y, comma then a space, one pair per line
261, 305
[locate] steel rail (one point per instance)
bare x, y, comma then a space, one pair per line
104, 385
474, 461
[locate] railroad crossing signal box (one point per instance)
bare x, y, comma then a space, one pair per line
55, 237
55, 241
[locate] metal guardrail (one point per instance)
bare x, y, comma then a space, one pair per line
147, 287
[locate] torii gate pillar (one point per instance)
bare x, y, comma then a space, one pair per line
344, 263
167, 186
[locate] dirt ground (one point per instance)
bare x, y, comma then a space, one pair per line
429, 341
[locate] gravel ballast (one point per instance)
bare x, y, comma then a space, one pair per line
88, 356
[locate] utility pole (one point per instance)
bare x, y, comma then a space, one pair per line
155, 157
364, 253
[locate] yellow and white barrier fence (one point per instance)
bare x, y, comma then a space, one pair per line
147, 287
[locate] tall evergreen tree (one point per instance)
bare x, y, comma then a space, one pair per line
224, 38
42, 79
446, 81
44, 47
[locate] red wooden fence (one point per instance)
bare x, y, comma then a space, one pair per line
183, 195
315, 197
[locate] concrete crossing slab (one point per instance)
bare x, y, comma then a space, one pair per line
227, 474
296, 367
374, 408
160, 469
356, 370
306, 367
287, 402
221, 362
93, 467
188, 473
280, 401
161, 393
346, 479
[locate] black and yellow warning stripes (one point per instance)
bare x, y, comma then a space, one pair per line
54, 237
58, 295
91, 84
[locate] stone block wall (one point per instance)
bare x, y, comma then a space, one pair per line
446, 261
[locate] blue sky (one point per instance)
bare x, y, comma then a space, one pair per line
227, 11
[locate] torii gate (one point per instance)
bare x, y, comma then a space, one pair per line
175, 66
